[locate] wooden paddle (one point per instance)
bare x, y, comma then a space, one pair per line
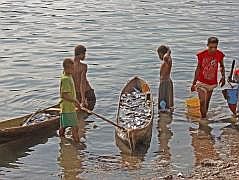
229, 80
231, 72
103, 118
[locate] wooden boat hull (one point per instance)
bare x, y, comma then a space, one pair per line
133, 138
142, 142
12, 129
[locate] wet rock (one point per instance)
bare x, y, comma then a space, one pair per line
169, 177
82, 140
95, 126
180, 175
208, 163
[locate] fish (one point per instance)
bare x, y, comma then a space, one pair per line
40, 117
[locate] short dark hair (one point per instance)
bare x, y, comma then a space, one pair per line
212, 40
67, 62
79, 50
162, 49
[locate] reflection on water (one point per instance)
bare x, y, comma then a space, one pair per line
121, 39
230, 142
71, 155
11, 152
164, 135
133, 159
70, 159
203, 143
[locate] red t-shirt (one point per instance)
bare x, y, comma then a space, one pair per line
209, 66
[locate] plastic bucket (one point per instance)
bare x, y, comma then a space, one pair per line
232, 96
193, 106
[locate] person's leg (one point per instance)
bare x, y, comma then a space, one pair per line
202, 94
209, 95
162, 94
75, 134
159, 98
62, 129
170, 100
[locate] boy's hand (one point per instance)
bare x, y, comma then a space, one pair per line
169, 51
222, 82
193, 88
84, 103
77, 103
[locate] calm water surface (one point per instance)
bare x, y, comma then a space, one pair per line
121, 38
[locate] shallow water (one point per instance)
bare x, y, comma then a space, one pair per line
121, 39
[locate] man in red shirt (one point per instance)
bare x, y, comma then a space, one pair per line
205, 78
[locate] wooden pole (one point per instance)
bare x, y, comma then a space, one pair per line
103, 118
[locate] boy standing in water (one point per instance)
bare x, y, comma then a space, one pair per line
84, 93
68, 101
166, 85
205, 79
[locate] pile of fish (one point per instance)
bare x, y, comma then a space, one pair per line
39, 117
135, 110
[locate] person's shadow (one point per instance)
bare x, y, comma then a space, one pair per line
12, 151
203, 143
164, 135
71, 155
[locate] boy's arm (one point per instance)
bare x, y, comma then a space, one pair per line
196, 74
166, 57
222, 69
83, 84
67, 97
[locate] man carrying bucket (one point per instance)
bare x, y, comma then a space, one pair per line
205, 78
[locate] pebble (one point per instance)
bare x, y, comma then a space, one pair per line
180, 175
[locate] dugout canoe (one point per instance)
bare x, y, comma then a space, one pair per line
13, 129
133, 138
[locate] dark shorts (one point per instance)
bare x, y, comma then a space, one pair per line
166, 93
90, 96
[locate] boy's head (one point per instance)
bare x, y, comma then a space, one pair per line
212, 44
68, 66
80, 51
162, 50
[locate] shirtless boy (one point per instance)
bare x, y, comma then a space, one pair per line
165, 101
84, 93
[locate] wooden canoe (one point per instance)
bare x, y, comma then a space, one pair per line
12, 129
133, 138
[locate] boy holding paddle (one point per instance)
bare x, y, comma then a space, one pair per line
68, 103
205, 79
84, 93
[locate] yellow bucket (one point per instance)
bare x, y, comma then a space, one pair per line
193, 106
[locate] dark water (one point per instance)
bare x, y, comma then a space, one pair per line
121, 39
